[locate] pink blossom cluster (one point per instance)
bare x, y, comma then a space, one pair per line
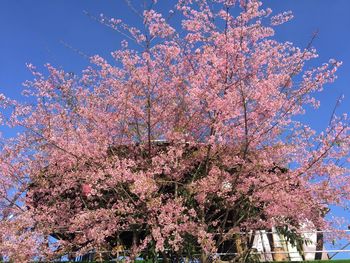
175, 146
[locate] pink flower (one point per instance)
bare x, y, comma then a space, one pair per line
86, 189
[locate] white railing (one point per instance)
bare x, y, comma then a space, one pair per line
267, 251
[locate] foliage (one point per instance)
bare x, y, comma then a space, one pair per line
186, 140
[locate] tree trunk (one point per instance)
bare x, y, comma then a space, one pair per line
204, 257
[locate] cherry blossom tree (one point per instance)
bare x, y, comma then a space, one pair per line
177, 146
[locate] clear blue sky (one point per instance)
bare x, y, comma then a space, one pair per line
31, 31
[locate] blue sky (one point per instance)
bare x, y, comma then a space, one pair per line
32, 31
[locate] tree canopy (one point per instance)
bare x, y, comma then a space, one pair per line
185, 139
